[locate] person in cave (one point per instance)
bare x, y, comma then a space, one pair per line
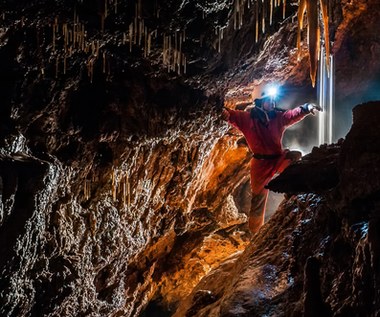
263, 126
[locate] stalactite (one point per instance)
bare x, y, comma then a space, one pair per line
313, 32
130, 36
149, 42
74, 26
235, 17
271, 12
83, 38
139, 8
124, 191
97, 46
241, 13
90, 67
108, 68
114, 184
156, 9
300, 17
104, 62
102, 22
56, 66
55, 29
325, 18
140, 33
135, 30
263, 19
87, 189
313, 38
128, 191
257, 21
164, 49
219, 39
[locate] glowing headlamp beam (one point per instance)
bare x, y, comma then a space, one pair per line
272, 91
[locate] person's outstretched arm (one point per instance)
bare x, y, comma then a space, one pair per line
297, 114
236, 118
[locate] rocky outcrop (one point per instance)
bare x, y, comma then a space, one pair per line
318, 255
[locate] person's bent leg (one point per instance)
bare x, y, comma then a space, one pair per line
257, 211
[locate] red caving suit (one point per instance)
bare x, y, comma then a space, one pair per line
264, 140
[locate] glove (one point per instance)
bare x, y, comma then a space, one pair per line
311, 108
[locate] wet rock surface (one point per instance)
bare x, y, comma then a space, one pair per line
119, 180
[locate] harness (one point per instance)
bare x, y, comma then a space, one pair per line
266, 156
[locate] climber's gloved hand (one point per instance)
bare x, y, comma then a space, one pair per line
311, 108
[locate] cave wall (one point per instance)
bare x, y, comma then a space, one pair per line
117, 175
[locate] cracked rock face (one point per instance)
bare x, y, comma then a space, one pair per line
120, 185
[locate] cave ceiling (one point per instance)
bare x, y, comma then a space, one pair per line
214, 46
